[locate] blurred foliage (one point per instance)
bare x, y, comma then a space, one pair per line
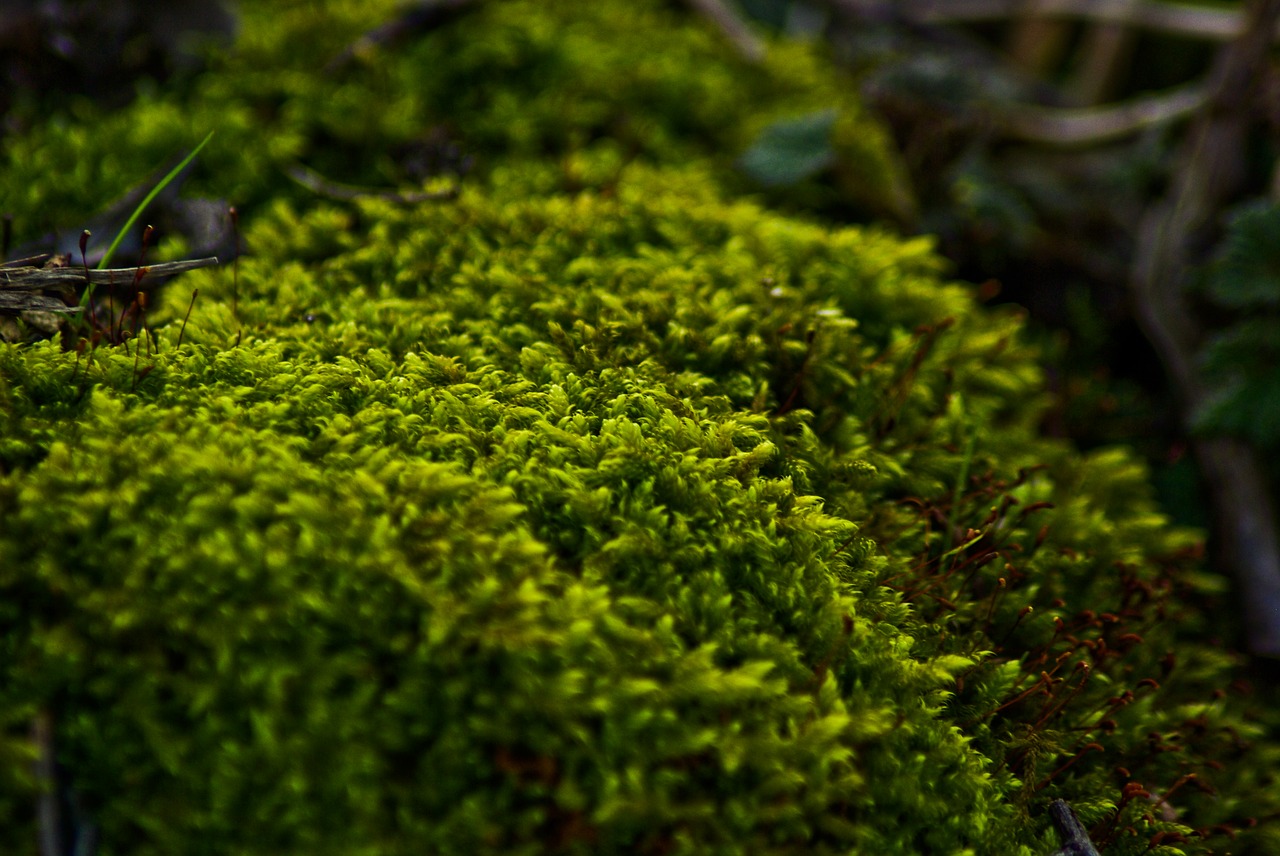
597, 508
1242, 358
1054, 227
1247, 275
791, 150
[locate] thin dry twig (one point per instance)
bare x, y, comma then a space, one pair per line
1093, 125
1075, 838
729, 22
1035, 123
15, 303
419, 17
47, 812
318, 184
21, 282
34, 279
1037, 43
1174, 18
1099, 63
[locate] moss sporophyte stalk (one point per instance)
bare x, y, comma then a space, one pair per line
594, 507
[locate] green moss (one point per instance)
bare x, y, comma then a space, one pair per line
539, 87
596, 510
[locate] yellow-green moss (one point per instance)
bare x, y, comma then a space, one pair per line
595, 510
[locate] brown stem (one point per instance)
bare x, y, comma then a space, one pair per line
50, 821
1094, 125
1177, 18
1105, 51
730, 23
1074, 837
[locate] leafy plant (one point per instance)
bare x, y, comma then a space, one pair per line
791, 150
1239, 359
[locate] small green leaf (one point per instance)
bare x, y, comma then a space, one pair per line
791, 150
1248, 274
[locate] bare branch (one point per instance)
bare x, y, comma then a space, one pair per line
1106, 48
36, 279
1091, 125
733, 26
17, 302
418, 17
1036, 43
1075, 838
26, 262
1177, 18
21, 286
47, 813
321, 186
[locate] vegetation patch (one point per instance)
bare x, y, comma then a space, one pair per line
587, 507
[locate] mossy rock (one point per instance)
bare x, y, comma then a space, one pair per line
594, 510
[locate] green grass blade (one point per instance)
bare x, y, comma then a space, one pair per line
142, 206
962, 479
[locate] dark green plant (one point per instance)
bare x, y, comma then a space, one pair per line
1241, 356
792, 150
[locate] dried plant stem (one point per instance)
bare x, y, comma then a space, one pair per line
187, 317
729, 22
318, 184
47, 813
1075, 838
1098, 63
1175, 18
1092, 125
35, 279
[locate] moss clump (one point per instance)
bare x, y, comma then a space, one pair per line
591, 511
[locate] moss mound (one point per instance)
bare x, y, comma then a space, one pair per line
589, 511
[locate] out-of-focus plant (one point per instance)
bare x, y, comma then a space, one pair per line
1240, 360
1090, 149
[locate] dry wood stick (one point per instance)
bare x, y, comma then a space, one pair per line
48, 815
1175, 18
749, 45
1093, 125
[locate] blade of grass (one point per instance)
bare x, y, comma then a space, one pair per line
962, 479
137, 212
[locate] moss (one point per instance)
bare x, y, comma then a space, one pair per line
595, 510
